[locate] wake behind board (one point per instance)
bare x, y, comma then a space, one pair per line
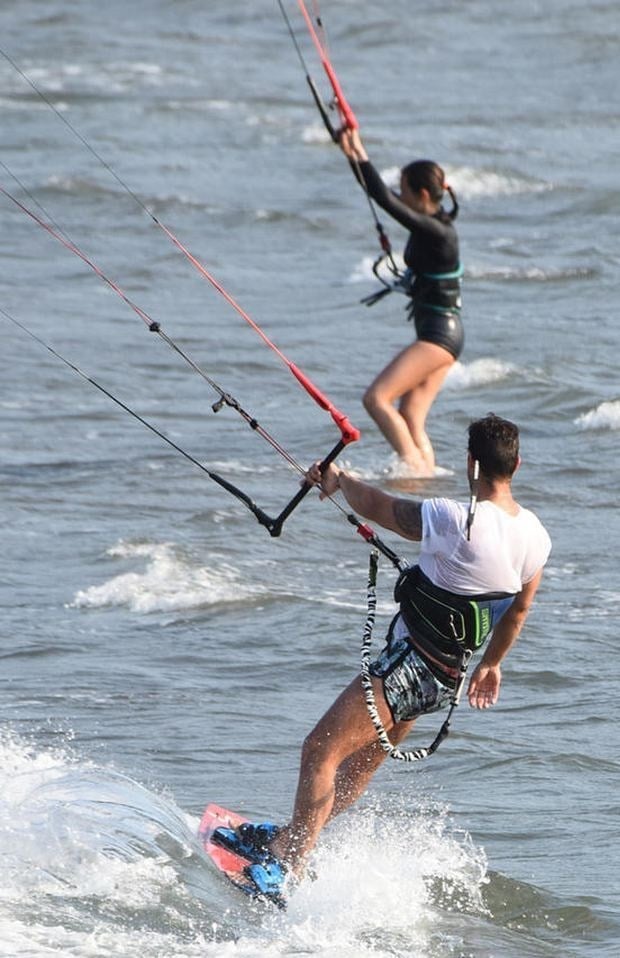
228, 862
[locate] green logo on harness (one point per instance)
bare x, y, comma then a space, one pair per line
485, 625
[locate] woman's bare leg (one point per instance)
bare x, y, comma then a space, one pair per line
408, 371
415, 405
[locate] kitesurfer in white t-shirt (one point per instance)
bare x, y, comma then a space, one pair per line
495, 554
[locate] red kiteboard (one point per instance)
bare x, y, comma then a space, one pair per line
228, 862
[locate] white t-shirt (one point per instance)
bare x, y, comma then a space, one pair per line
504, 552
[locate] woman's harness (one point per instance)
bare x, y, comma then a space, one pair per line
445, 629
437, 292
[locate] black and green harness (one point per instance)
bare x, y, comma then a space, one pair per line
444, 628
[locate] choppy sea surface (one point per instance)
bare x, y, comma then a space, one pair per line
159, 650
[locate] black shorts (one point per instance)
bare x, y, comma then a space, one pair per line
444, 329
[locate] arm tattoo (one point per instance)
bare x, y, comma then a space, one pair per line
408, 516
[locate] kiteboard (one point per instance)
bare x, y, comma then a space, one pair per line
228, 862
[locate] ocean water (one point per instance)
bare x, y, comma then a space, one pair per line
159, 650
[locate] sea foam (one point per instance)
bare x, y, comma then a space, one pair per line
170, 581
605, 416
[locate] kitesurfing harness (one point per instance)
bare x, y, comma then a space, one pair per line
435, 292
445, 629
443, 625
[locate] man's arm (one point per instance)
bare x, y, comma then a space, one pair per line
402, 516
486, 678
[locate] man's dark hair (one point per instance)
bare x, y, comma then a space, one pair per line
494, 442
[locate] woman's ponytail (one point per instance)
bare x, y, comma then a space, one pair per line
454, 212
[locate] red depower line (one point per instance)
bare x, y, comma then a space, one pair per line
348, 431
349, 120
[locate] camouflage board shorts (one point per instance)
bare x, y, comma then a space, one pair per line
410, 688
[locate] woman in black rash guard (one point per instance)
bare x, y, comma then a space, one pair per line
413, 378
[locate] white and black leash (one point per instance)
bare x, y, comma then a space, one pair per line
394, 752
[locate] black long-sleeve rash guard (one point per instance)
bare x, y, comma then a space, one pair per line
433, 246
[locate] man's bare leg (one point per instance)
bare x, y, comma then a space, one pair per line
355, 773
343, 741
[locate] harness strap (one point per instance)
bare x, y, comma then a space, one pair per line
441, 668
454, 274
394, 752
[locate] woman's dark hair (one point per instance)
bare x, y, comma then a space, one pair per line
428, 175
494, 442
